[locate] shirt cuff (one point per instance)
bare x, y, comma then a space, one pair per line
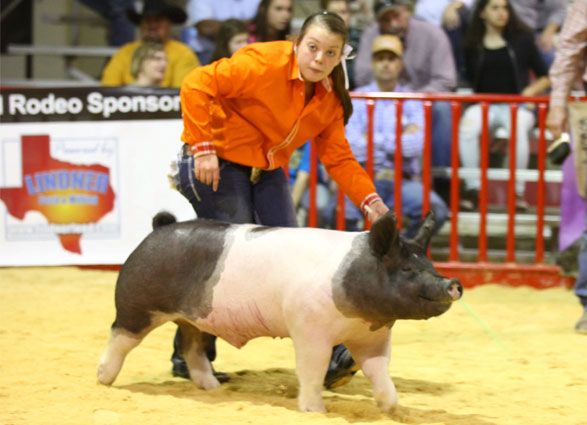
203, 148
369, 199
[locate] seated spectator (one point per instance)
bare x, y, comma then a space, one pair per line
342, 9
272, 22
148, 64
453, 17
154, 23
233, 35
545, 18
387, 65
500, 52
428, 67
299, 176
207, 16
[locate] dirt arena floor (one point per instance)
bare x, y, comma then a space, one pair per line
504, 356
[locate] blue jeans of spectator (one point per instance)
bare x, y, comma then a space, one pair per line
122, 30
237, 200
412, 201
581, 283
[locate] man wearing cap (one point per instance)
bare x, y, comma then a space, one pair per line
428, 67
387, 64
154, 22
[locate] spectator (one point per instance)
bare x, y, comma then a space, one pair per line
387, 66
233, 35
155, 23
342, 9
428, 67
148, 64
453, 17
545, 18
570, 62
207, 17
275, 96
500, 52
299, 175
120, 29
272, 21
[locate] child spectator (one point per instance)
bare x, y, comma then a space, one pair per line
148, 64
499, 53
233, 35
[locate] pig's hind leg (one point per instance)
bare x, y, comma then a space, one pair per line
119, 345
193, 343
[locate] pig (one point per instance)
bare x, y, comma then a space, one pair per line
319, 287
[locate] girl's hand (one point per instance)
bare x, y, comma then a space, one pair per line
376, 210
207, 170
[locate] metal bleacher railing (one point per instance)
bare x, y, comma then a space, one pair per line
538, 274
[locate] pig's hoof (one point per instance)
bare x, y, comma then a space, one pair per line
104, 377
388, 406
205, 381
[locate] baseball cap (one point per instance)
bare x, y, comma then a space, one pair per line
389, 43
382, 6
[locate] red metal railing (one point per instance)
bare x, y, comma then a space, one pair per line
537, 274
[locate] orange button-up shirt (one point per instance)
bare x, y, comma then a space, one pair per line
250, 109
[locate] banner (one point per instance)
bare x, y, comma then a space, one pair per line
81, 179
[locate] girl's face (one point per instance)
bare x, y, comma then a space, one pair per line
318, 53
341, 8
237, 41
496, 13
279, 14
154, 66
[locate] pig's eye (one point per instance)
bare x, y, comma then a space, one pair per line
407, 268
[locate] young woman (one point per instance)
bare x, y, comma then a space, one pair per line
272, 21
500, 52
274, 97
232, 35
148, 64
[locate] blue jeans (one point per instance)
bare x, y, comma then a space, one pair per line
412, 200
237, 200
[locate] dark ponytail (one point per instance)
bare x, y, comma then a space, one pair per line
333, 23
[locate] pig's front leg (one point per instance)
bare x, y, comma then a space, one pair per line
312, 358
373, 359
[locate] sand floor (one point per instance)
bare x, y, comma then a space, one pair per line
526, 367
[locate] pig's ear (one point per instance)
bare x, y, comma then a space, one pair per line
384, 236
422, 238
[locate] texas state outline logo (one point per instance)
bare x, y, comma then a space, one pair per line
64, 187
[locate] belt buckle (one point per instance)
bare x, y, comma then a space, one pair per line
255, 174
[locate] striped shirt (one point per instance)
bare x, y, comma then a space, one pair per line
570, 52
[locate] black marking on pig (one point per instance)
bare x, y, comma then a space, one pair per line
174, 270
382, 290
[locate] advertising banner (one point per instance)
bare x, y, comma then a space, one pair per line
83, 171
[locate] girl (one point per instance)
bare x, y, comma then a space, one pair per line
272, 21
148, 64
232, 35
499, 54
274, 97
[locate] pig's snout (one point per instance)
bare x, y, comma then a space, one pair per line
454, 289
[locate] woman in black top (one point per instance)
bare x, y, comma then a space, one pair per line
500, 53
